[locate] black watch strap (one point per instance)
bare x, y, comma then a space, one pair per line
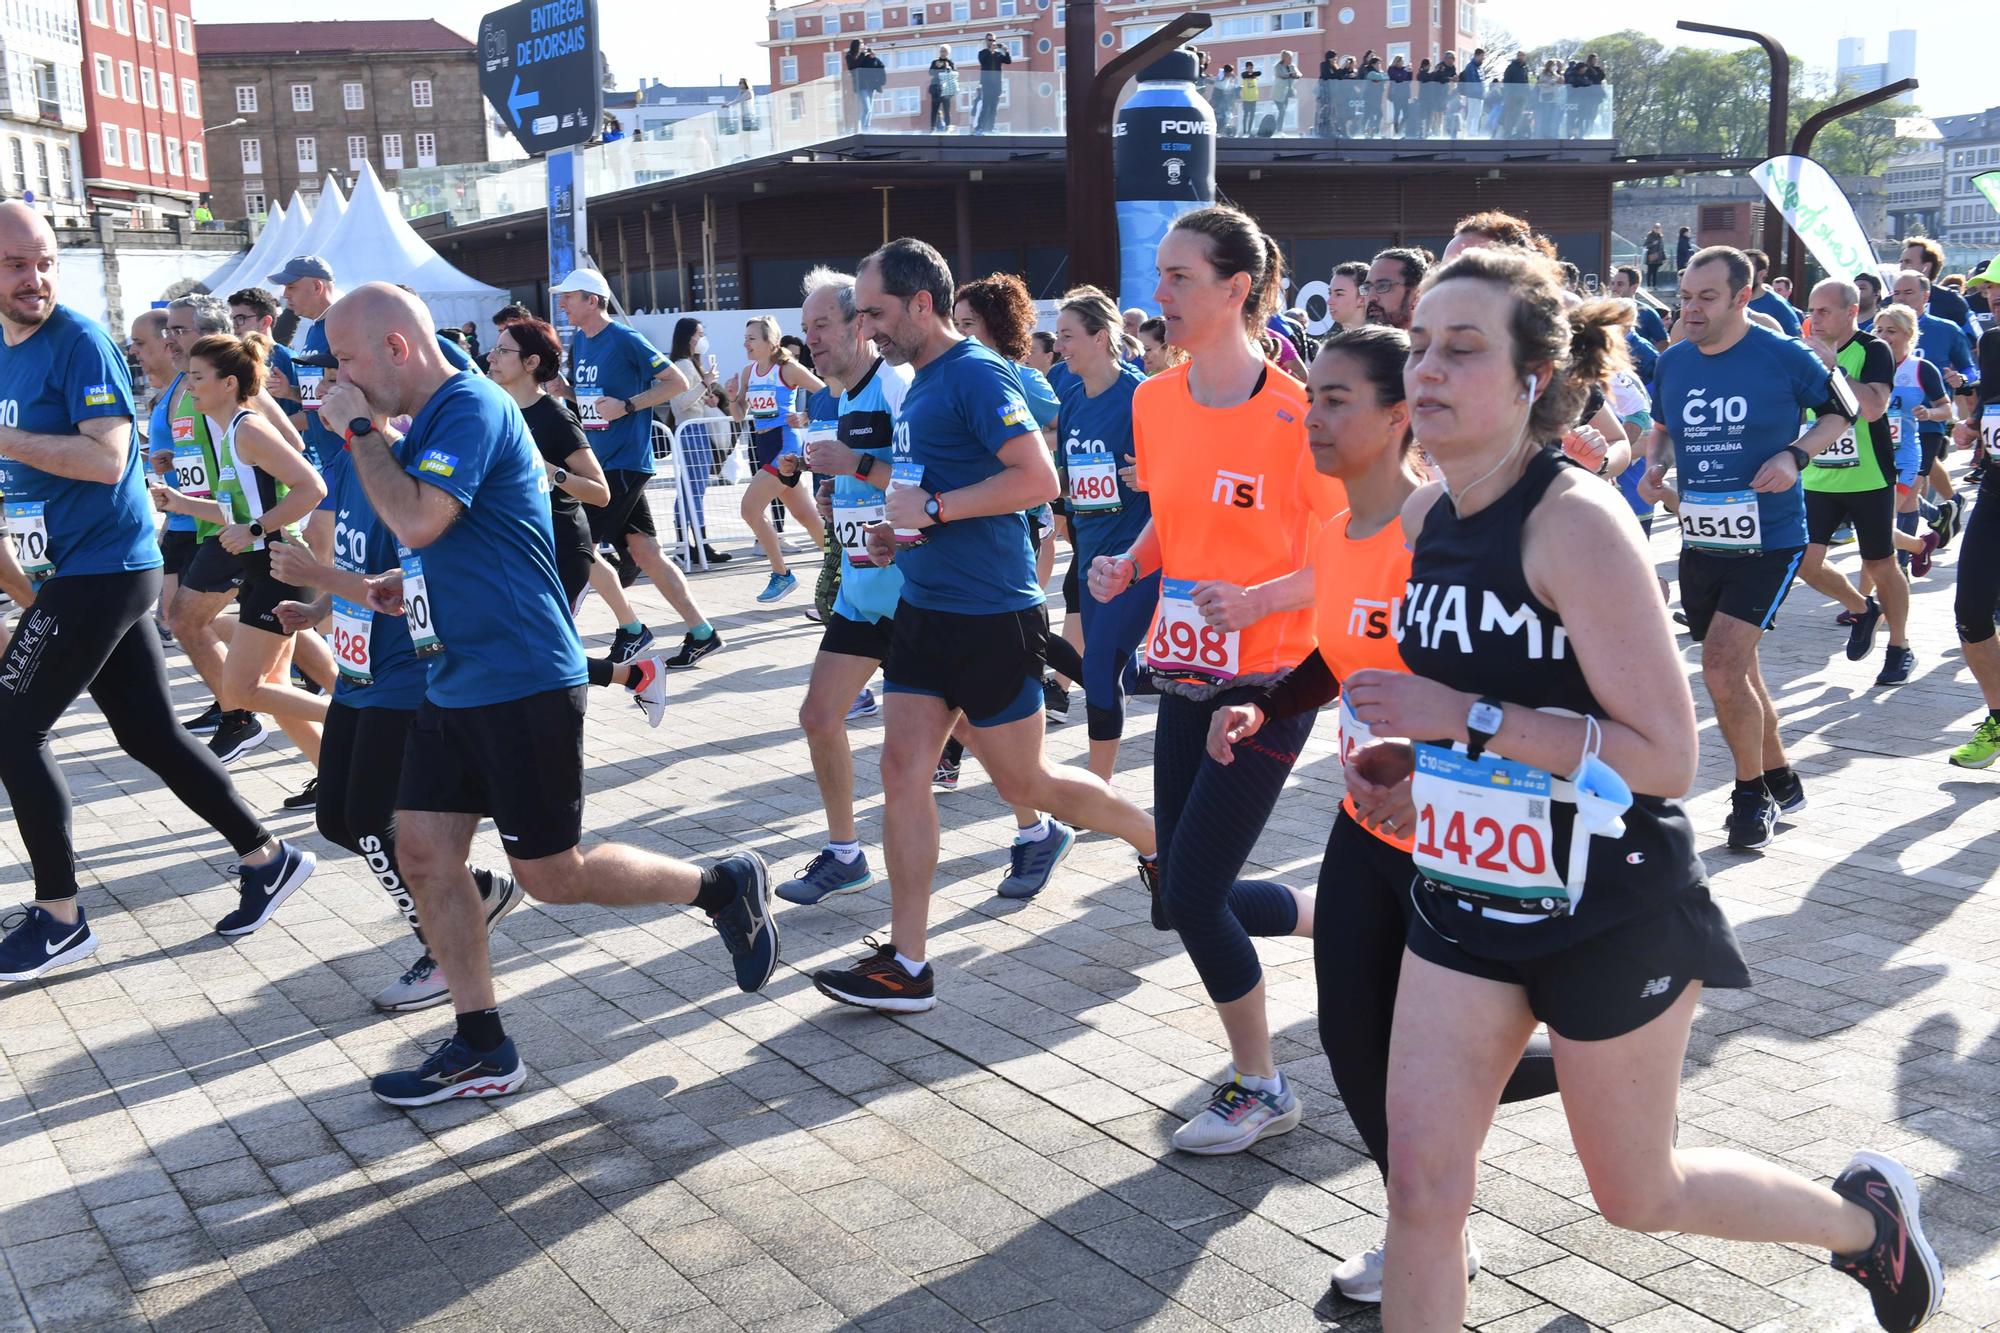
1799, 455
865, 466
1478, 736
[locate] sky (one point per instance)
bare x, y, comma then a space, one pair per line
705, 41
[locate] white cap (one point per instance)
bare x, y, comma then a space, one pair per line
587, 280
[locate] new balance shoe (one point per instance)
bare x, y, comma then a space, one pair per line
879, 982
1899, 1270
1237, 1116
1897, 664
649, 689
827, 876
235, 734
37, 943
206, 721
1156, 906
453, 1071
264, 888
1861, 639
1753, 818
692, 650
626, 645
865, 705
1921, 560
781, 585
746, 925
1030, 864
420, 987
1982, 749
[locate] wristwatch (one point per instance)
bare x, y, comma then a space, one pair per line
1482, 724
934, 509
864, 467
562, 475
1800, 455
257, 531
359, 427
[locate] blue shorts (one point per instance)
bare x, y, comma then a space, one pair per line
988, 665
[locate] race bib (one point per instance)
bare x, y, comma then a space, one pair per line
417, 606
1989, 428
1483, 826
1895, 429
29, 527
191, 469
761, 404
311, 378
1093, 483
589, 410
1354, 733
353, 639
1841, 453
1721, 521
901, 477
1183, 644
851, 518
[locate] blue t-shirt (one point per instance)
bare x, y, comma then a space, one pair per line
1102, 425
1062, 379
962, 409
1729, 413
617, 363
1645, 357
67, 372
322, 444
1944, 345
1042, 399
363, 544
867, 416
496, 600
1650, 326
1778, 308
160, 440
1948, 305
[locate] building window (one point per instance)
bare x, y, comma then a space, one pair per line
1008, 9
190, 100
874, 20
135, 148
118, 19
42, 164
140, 27
167, 93
1399, 49
1062, 14
97, 13
147, 93
350, 96
788, 69
308, 151
427, 149
20, 165
1399, 13
1468, 19
66, 167
787, 30
253, 203
1292, 22
196, 167
961, 11
1017, 47
420, 92
392, 152
113, 150
107, 78
246, 98
174, 157
357, 152
184, 33
127, 87
155, 159
302, 97
831, 66
159, 26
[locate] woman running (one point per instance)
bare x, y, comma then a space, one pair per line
1919, 411
1547, 690
1221, 454
765, 394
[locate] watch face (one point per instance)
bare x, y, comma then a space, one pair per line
1484, 717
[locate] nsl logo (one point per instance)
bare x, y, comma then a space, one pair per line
1238, 489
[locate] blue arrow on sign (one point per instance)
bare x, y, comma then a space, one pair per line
517, 100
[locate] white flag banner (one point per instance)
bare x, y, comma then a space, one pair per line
1814, 207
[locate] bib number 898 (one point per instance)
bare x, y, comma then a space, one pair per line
1179, 641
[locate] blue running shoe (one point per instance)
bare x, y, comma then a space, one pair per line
452, 1071
865, 705
1034, 862
625, 647
36, 943
265, 889
827, 876
748, 929
779, 586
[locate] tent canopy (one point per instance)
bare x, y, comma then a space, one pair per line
271, 250
375, 244
217, 281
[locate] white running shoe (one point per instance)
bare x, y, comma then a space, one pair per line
1359, 1276
1237, 1116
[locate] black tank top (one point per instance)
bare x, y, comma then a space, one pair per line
1470, 621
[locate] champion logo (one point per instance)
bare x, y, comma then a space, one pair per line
1655, 988
1635, 859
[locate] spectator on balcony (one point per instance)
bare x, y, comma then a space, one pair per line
1450, 102
944, 90
867, 74
991, 57
1549, 100
1683, 250
1227, 87
1249, 90
1430, 100
1515, 81
1374, 84
1285, 79
1472, 91
1656, 255
1399, 96
1329, 71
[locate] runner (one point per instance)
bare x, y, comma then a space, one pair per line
860, 623
156, 363
465, 491
254, 310
1222, 457
970, 629
765, 393
1920, 411
1939, 341
1161, 355
76, 510
617, 378
1567, 658
1391, 288
1726, 404
1976, 599
1854, 481
1766, 302
1346, 307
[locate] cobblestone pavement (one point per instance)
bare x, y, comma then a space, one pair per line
186, 1140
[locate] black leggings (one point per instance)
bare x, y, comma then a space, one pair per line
1361, 917
1208, 818
1978, 590
95, 632
360, 770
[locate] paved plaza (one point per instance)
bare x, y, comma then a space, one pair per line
187, 1142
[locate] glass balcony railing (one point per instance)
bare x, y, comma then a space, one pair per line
1023, 103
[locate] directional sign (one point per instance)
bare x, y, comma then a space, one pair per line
538, 66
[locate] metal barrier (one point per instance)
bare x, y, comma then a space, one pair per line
687, 465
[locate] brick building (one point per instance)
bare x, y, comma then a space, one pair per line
320, 97
41, 104
144, 149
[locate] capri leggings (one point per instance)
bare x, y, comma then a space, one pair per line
1112, 631
1208, 818
1978, 591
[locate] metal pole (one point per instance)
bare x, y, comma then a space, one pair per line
1780, 116
1802, 142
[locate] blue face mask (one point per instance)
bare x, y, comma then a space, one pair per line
1601, 797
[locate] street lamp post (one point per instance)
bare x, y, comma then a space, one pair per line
1802, 142
1780, 111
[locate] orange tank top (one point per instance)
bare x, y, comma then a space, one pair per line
1357, 592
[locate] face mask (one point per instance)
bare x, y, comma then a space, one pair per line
700, 347
1602, 797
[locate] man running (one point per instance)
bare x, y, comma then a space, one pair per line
500, 728
254, 310
1391, 290
1767, 302
80, 522
1727, 401
156, 363
1939, 341
970, 627
1926, 256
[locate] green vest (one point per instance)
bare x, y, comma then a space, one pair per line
1875, 461
188, 423
242, 504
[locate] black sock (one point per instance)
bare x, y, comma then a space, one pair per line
715, 892
1782, 773
599, 669
1993, 713
480, 1030
1751, 784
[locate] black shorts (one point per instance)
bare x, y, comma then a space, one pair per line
212, 569
261, 593
628, 511
1873, 512
520, 762
177, 548
765, 446
1749, 588
1930, 448
988, 665
858, 638
1615, 982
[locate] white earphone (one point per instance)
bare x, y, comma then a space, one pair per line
1532, 393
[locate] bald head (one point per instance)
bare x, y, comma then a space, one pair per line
387, 347
155, 357
27, 269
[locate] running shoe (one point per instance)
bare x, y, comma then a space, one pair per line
746, 925
1861, 638
1149, 875
692, 651
1920, 561
166, 635
1359, 1277
1753, 818
37, 943
1030, 864
812, 614
1899, 1270
626, 645
865, 705
827, 876
264, 888
453, 1070
1957, 523
1787, 789
879, 982
946, 777
305, 798
1055, 700
236, 734
206, 721
498, 895
1897, 664
1237, 1117
300, 680
1843, 535
1982, 749
418, 988
781, 585
649, 689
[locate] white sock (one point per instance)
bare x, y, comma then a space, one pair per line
1276, 1083
1034, 832
909, 965
846, 852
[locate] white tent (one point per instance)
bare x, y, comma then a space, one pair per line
375, 244
272, 222
273, 248
319, 234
